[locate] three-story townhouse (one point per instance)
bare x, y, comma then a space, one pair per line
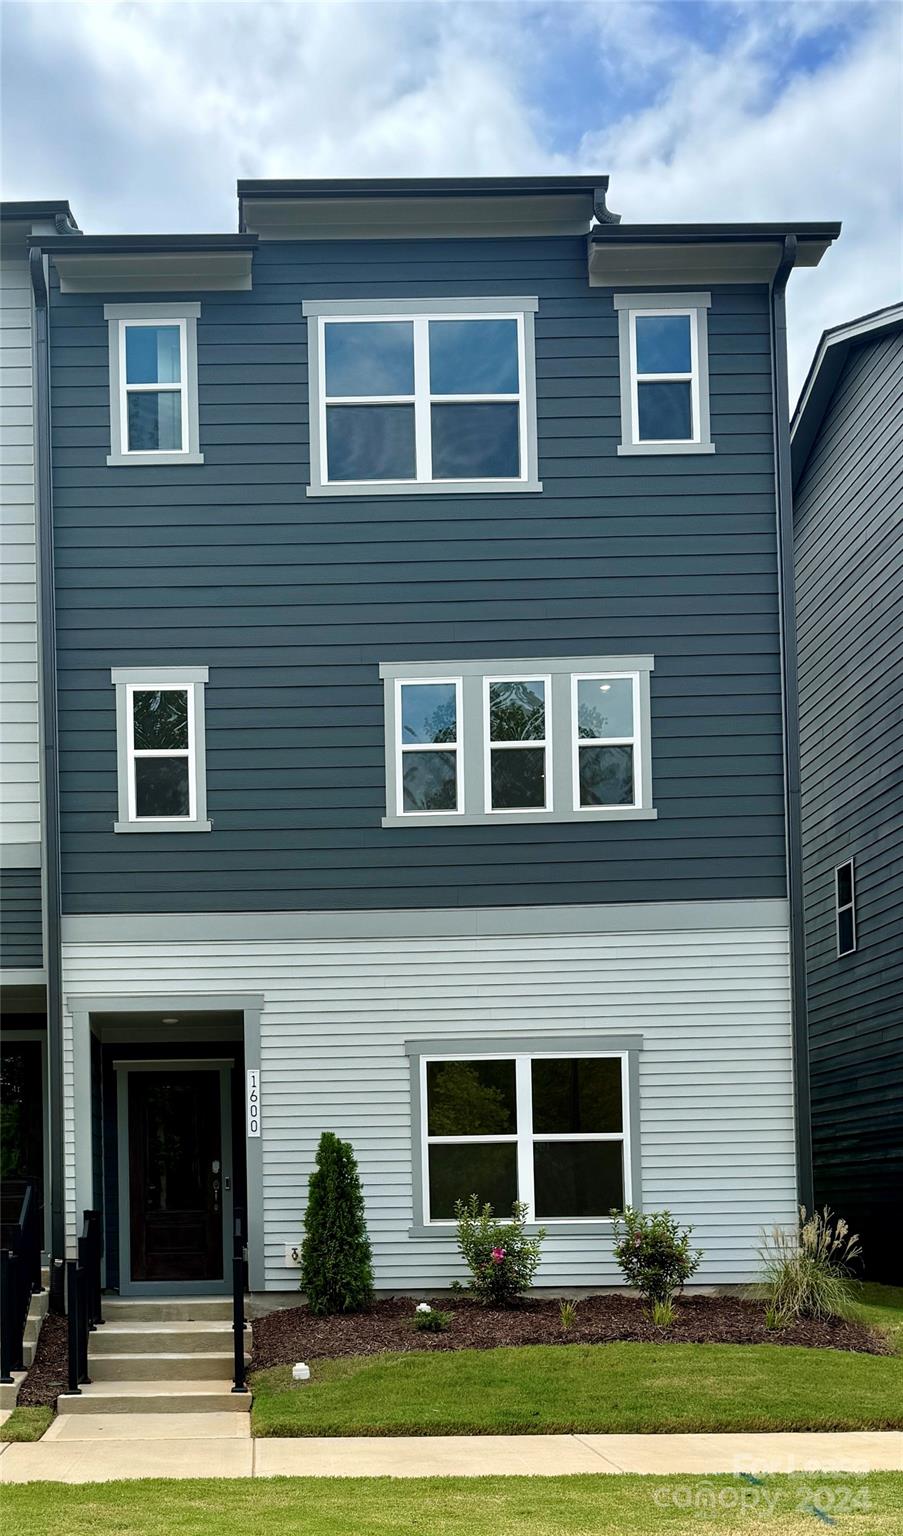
427, 753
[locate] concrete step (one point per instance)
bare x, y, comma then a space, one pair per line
188, 1309
9, 1390
162, 1368
116, 1338
155, 1397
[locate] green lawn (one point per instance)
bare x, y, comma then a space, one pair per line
882, 1307
573, 1387
26, 1424
502, 1506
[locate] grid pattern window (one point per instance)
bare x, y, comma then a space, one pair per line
550, 1131
160, 726
845, 907
153, 384
418, 398
664, 373
554, 739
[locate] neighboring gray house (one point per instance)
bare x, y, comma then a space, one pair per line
419, 554
848, 539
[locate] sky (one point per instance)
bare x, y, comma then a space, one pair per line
145, 114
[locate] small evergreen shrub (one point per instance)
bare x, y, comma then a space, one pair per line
567, 1314
501, 1258
654, 1255
807, 1271
336, 1266
431, 1320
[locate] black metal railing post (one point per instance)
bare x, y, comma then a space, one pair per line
239, 1381
7, 1326
73, 1324
21, 1270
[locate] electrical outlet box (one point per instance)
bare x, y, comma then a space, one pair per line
293, 1253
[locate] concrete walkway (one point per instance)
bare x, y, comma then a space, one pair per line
88, 1448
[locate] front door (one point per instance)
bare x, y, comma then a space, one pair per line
179, 1176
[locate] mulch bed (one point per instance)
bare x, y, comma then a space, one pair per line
282, 1337
49, 1371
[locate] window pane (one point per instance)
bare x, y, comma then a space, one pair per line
578, 1178
456, 1173
582, 1095
370, 442
518, 778
471, 1098
606, 775
604, 706
665, 413
844, 885
473, 357
475, 442
155, 421
370, 358
161, 720
161, 786
429, 781
663, 344
152, 354
846, 937
428, 712
517, 711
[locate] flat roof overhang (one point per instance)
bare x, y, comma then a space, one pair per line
151, 263
635, 255
420, 207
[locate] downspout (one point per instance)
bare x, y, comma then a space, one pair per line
50, 765
791, 713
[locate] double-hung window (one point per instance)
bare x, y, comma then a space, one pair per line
845, 907
161, 756
153, 383
550, 739
549, 1128
408, 396
663, 341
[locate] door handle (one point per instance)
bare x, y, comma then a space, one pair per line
227, 1183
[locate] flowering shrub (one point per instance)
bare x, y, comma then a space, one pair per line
654, 1254
501, 1258
429, 1319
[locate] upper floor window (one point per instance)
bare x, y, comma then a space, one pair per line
562, 739
153, 384
160, 749
663, 344
845, 907
408, 396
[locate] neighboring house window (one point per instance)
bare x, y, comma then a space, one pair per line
548, 739
420, 396
845, 906
663, 344
545, 1124
153, 384
160, 749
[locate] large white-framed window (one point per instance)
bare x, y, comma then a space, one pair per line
547, 1123
153, 384
160, 749
663, 348
420, 396
428, 746
526, 740
845, 907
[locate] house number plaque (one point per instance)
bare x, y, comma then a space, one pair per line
253, 1101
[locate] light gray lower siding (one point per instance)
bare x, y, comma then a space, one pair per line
716, 1103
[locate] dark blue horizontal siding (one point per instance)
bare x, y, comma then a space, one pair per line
293, 602
21, 944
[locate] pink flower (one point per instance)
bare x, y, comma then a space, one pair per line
498, 1255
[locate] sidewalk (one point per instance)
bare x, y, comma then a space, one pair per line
87, 1448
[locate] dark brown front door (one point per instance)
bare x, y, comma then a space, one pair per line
175, 1175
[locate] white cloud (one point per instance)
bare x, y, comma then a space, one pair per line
144, 114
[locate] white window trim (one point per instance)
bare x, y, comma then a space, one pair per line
847, 906
635, 741
131, 680
402, 749
695, 306
184, 316
319, 313
525, 1136
490, 746
562, 787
